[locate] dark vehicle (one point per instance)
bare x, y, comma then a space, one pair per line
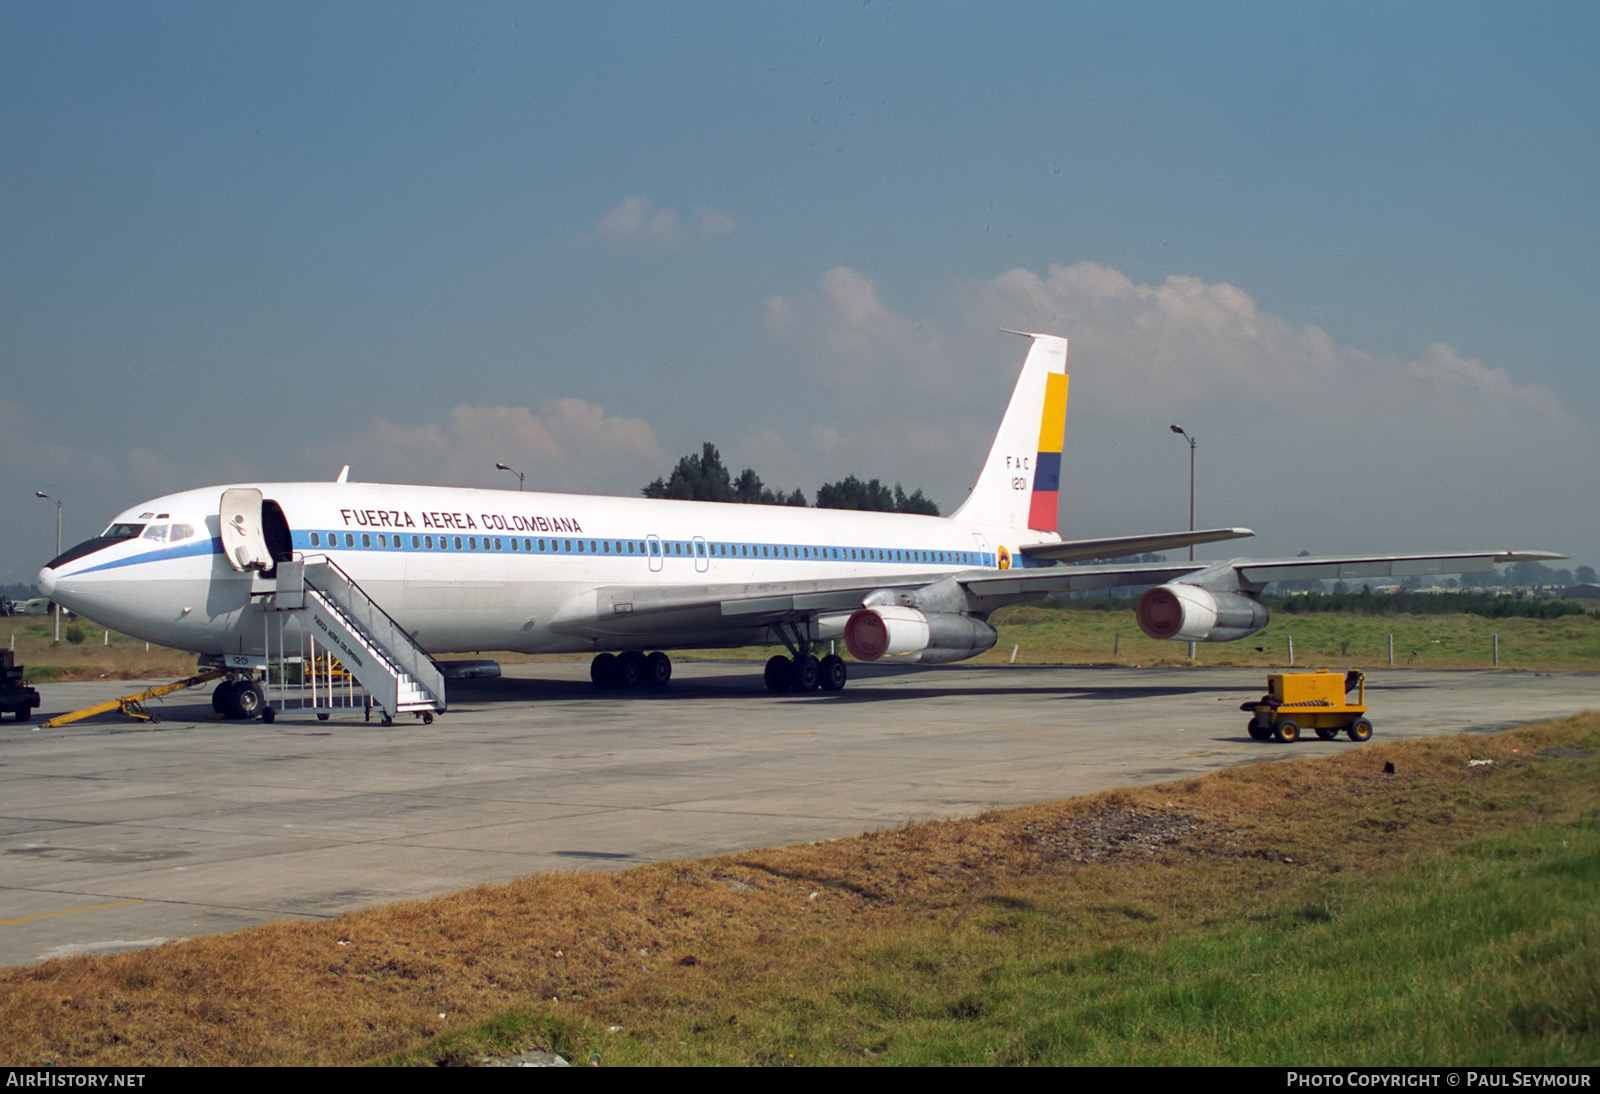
15, 696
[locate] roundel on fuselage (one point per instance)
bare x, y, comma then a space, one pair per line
1005, 559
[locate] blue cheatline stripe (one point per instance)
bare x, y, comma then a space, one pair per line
1047, 471
187, 550
647, 548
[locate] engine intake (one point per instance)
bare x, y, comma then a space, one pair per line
893, 630
1190, 613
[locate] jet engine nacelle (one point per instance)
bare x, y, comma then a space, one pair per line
1193, 614
893, 630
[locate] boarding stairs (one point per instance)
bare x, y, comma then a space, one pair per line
343, 638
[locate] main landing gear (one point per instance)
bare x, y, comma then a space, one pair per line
803, 672
633, 669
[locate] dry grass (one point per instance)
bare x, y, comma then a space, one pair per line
688, 939
100, 655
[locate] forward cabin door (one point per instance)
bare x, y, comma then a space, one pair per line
244, 542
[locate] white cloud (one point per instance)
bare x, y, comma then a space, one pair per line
635, 217
1296, 430
568, 445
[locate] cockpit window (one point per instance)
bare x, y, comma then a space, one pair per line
180, 532
156, 533
122, 531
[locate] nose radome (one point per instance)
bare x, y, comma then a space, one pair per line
46, 581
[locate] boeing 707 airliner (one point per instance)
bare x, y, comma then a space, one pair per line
629, 578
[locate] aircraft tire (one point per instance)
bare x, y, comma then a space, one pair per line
806, 673
222, 697
631, 669
603, 670
777, 674
834, 672
248, 700
657, 669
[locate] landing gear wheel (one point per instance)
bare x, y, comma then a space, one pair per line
1360, 730
427, 718
834, 672
1286, 730
805, 673
1327, 733
777, 674
322, 717
222, 697
1259, 732
269, 715
249, 700
657, 669
604, 671
631, 669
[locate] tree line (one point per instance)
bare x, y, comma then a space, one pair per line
704, 477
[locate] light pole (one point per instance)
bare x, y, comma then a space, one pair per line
520, 476
47, 497
1178, 429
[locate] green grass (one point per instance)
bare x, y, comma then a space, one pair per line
1066, 636
1490, 955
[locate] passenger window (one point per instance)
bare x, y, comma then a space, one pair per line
458, 543
383, 541
316, 540
497, 543
366, 540
349, 539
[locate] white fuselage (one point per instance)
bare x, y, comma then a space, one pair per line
466, 569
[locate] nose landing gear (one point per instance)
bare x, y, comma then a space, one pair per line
240, 699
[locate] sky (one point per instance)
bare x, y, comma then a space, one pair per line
1349, 247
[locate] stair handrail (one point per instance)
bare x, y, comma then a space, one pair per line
395, 642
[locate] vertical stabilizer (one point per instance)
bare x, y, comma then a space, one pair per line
1021, 480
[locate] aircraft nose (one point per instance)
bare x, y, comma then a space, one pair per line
46, 581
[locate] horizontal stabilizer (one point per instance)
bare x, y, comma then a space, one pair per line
1117, 546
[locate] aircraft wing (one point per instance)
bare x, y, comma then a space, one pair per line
708, 609
1262, 571
992, 588
1078, 549
616, 610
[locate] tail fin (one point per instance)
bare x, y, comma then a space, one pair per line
1021, 480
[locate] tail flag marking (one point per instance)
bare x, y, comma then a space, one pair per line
1046, 494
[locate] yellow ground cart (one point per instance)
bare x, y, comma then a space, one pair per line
1311, 700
